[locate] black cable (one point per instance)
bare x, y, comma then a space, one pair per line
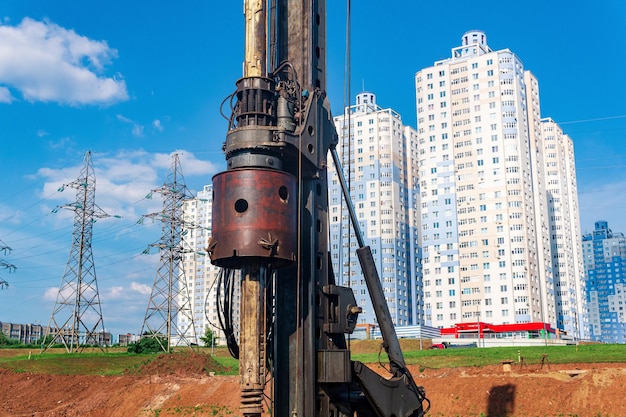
223, 298
232, 283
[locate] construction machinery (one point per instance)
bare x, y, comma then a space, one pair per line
270, 235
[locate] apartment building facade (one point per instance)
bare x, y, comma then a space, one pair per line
570, 294
604, 253
377, 151
201, 276
483, 206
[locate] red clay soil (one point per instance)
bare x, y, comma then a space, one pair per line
173, 387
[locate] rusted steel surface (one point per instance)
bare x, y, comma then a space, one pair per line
252, 343
254, 218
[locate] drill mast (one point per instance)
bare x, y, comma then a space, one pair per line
270, 222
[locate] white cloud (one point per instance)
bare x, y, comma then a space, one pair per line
123, 179
60, 144
156, 124
51, 293
190, 165
116, 292
8, 215
137, 129
5, 95
141, 288
48, 63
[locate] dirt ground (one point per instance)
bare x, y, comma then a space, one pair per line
168, 387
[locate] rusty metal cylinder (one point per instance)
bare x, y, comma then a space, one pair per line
254, 218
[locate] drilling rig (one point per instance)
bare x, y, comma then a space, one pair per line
270, 230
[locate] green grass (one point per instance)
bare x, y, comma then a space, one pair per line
450, 358
75, 363
198, 410
116, 363
228, 362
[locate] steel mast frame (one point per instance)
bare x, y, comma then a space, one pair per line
78, 295
170, 294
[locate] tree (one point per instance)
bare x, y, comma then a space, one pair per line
5, 341
148, 344
45, 340
207, 339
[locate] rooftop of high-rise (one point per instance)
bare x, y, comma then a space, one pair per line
601, 231
473, 44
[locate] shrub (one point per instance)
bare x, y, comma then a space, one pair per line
148, 344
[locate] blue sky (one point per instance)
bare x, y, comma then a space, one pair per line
133, 82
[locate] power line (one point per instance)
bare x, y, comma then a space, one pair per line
597, 119
11, 197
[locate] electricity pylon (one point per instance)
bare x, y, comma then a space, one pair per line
169, 316
76, 319
4, 264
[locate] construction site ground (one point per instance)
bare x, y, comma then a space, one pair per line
185, 385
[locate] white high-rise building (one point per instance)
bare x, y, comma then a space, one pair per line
201, 275
565, 235
484, 211
377, 153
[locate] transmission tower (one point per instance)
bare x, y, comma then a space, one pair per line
5, 265
76, 319
169, 316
